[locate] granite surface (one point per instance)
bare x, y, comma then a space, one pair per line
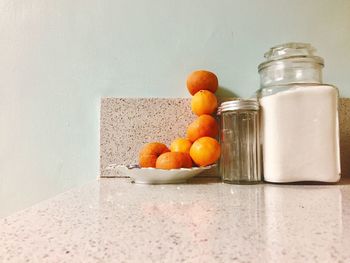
344, 123
112, 220
128, 123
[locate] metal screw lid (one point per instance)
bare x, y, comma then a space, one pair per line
218, 112
239, 104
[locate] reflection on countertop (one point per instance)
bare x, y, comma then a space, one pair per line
112, 220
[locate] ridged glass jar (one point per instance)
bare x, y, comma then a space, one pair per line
239, 139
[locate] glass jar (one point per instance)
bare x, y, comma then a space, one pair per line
299, 117
239, 139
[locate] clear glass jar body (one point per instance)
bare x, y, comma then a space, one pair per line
240, 158
299, 121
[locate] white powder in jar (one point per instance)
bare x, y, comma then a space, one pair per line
300, 135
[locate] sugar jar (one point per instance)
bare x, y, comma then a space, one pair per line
299, 117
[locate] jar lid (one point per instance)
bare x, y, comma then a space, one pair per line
301, 52
218, 112
239, 104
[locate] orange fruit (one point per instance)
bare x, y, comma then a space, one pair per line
181, 145
204, 102
150, 152
202, 80
186, 160
205, 151
204, 125
173, 160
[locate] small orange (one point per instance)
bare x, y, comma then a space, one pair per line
181, 145
150, 152
204, 102
202, 80
173, 160
186, 160
204, 125
205, 151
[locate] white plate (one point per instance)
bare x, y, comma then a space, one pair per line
159, 176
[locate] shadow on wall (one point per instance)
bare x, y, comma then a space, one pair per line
224, 94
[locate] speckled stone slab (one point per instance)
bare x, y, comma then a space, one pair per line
202, 221
344, 122
128, 123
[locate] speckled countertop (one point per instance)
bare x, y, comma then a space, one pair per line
111, 220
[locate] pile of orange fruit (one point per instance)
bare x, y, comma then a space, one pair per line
200, 148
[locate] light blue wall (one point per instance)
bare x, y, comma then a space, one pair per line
57, 58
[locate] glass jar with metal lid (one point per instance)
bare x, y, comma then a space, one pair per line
239, 139
299, 117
